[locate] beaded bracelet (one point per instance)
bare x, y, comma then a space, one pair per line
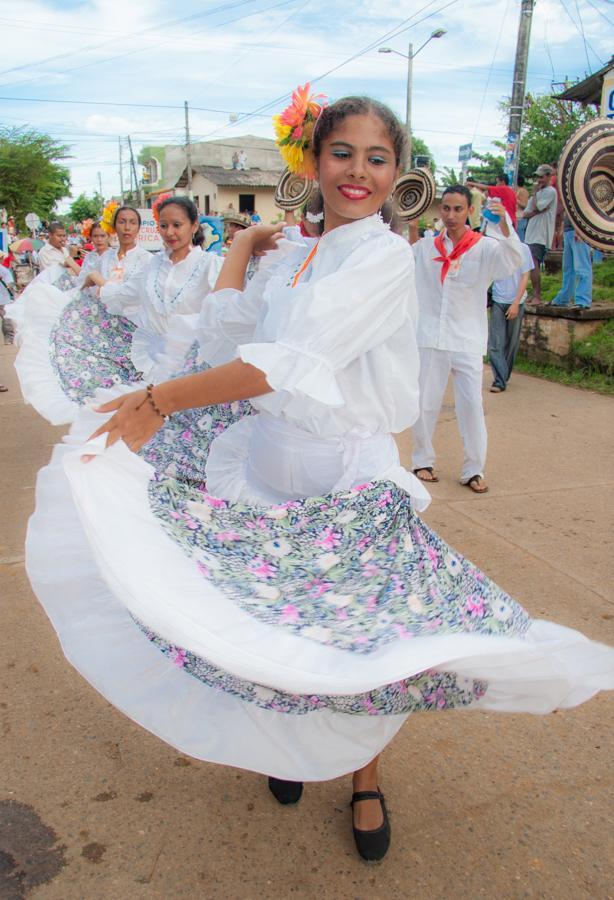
153, 403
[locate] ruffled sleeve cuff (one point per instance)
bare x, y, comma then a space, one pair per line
217, 334
293, 370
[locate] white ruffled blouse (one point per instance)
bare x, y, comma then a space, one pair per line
164, 289
121, 274
339, 349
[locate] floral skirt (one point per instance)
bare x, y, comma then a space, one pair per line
69, 347
291, 639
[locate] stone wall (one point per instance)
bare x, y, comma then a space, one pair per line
548, 332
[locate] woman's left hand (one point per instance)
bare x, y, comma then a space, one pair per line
94, 278
135, 421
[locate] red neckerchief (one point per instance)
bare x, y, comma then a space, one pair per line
466, 243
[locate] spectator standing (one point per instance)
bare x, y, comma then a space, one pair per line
503, 191
522, 198
55, 252
6, 296
506, 314
557, 241
577, 270
477, 202
541, 216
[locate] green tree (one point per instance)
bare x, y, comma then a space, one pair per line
85, 207
449, 176
547, 124
419, 148
488, 168
31, 177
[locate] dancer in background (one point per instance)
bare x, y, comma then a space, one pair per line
175, 283
286, 611
70, 344
99, 240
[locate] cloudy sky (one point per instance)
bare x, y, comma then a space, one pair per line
88, 71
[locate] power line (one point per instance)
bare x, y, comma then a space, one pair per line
602, 14
574, 23
156, 45
394, 32
118, 103
494, 56
257, 46
143, 31
588, 62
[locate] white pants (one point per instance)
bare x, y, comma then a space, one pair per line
466, 369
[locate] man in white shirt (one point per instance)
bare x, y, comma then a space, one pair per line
453, 272
540, 212
54, 252
506, 314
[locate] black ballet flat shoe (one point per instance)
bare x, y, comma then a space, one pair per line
286, 792
372, 845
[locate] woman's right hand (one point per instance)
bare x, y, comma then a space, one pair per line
94, 278
259, 237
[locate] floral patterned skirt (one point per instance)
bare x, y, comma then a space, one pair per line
292, 639
90, 349
69, 347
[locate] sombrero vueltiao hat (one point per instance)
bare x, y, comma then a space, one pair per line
236, 218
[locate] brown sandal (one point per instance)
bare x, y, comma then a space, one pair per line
476, 483
428, 469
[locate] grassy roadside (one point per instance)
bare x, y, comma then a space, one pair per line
580, 378
603, 283
593, 358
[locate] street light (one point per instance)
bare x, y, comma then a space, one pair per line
439, 32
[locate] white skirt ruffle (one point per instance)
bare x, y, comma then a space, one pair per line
39, 309
120, 564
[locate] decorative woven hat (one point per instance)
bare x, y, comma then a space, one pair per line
231, 216
586, 182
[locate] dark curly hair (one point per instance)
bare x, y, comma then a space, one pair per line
332, 116
191, 211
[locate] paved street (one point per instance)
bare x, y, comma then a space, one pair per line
481, 805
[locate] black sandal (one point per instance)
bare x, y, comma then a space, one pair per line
285, 792
477, 484
432, 480
372, 845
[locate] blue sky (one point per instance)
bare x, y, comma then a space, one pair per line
118, 63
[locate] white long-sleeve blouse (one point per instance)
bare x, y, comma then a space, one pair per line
164, 289
339, 349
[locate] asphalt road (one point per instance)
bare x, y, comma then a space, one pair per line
482, 806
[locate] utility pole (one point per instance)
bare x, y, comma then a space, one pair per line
188, 150
137, 186
121, 170
410, 76
518, 89
100, 189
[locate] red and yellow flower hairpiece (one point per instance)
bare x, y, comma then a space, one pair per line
108, 213
294, 129
86, 228
155, 208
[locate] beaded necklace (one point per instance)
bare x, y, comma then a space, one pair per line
165, 305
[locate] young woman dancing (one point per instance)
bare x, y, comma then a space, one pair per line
284, 609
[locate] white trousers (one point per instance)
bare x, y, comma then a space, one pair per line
466, 369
